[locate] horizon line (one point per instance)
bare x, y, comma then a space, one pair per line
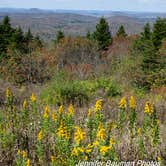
100, 10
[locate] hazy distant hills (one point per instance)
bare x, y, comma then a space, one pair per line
73, 22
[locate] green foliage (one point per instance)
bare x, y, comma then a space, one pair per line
110, 87
159, 32
63, 89
146, 35
121, 32
149, 46
59, 36
14, 39
102, 34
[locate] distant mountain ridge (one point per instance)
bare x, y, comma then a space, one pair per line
75, 22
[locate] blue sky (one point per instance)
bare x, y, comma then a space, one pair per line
124, 5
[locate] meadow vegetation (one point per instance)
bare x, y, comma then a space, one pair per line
97, 97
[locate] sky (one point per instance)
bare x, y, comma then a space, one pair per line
114, 5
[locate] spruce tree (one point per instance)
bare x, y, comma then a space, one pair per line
102, 34
28, 36
60, 35
88, 35
146, 35
159, 32
121, 32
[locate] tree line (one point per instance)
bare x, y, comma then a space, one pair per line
14, 39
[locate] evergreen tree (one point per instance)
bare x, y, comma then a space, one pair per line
159, 32
6, 21
28, 36
149, 63
60, 35
88, 35
38, 41
121, 32
5, 35
102, 34
17, 40
146, 35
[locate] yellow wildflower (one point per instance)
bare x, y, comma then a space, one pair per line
40, 135
90, 113
148, 108
8, 93
25, 104
101, 134
79, 135
19, 152
112, 142
54, 116
159, 158
89, 148
158, 122
62, 131
132, 103
46, 112
96, 143
24, 154
139, 131
104, 149
33, 98
52, 159
86, 158
61, 109
76, 151
71, 110
28, 162
123, 103
98, 105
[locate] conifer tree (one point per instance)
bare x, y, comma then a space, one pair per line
60, 35
28, 36
121, 32
159, 32
88, 35
146, 35
102, 34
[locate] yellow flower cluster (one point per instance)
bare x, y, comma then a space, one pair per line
79, 135
132, 103
28, 162
52, 159
98, 105
40, 135
25, 104
71, 110
104, 149
8, 93
77, 150
139, 131
148, 108
33, 98
62, 131
90, 112
46, 112
61, 110
112, 142
101, 134
123, 103
89, 148
54, 116
24, 154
